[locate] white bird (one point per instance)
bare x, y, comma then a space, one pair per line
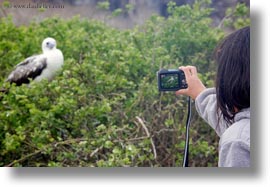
38, 67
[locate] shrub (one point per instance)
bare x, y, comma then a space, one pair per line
104, 109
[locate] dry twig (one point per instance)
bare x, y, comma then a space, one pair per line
148, 135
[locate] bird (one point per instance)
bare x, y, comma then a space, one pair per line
38, 67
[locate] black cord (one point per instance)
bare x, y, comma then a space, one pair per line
185, 160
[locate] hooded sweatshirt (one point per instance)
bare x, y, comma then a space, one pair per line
234, 143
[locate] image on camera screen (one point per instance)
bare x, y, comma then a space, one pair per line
169, 81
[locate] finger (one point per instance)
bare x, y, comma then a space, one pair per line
187, 72
180, 67
193, 70
181, 92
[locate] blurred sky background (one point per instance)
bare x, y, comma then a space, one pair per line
25, 11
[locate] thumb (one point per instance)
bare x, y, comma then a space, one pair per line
181, 92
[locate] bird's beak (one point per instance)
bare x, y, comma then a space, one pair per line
51, 45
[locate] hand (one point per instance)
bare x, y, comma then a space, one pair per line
195, 85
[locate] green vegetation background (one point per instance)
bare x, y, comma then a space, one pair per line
104, 108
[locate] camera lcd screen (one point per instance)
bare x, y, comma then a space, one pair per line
169, 81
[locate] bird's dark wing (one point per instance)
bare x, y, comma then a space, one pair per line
27, 70
28, 60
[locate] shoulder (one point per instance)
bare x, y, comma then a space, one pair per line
240, 130
234, 146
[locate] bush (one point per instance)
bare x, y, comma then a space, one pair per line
104, 108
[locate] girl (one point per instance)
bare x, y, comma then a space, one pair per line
226, 108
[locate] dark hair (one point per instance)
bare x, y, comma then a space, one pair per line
233, 74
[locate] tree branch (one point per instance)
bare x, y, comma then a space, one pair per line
148, 135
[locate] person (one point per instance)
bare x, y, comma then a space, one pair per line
226, 108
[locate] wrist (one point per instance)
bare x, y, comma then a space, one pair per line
198, 92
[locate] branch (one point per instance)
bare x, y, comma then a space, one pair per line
95, 151
133, 139
148, 135
53, 145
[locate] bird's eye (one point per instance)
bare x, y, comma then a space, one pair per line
47, 43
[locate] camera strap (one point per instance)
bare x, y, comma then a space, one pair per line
186, 151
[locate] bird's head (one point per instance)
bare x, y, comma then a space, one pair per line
48, 44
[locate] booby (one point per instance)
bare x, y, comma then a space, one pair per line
38, 67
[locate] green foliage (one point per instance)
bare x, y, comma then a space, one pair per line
104, 109
237, 17
103, 5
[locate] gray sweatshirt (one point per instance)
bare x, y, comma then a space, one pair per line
234, 143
